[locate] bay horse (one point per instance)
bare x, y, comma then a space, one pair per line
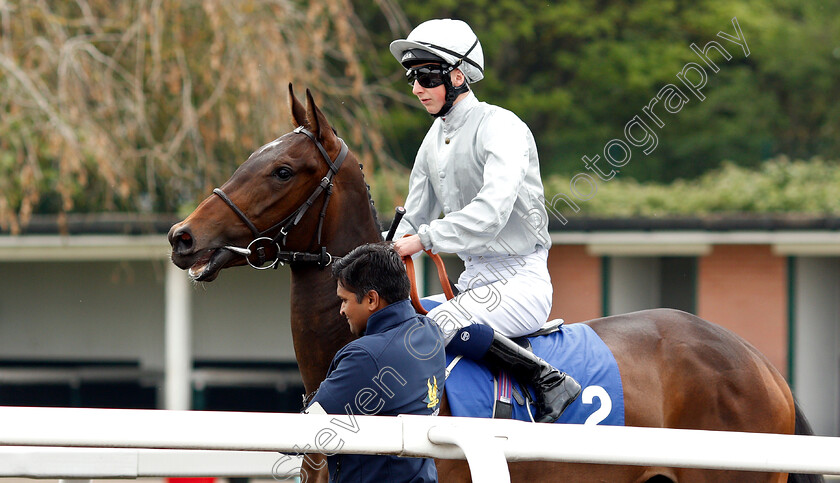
677, 370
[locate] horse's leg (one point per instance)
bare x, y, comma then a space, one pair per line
313, 469
679, 371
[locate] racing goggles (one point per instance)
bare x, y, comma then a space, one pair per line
428, 76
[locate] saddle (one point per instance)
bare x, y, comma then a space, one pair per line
549, 327
474, 390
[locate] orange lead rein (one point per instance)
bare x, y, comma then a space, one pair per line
444, 280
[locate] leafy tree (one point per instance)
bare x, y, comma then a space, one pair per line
578, 71
145, 106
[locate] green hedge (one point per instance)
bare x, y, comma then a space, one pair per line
776, 186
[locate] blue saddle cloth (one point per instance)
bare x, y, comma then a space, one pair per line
575, 349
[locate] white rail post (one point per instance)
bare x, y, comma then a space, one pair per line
178, 341
485, 455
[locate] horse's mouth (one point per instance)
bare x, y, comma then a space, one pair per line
208, 266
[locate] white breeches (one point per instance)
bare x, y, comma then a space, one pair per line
510, 294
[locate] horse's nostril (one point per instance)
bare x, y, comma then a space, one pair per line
185, 242
181, 240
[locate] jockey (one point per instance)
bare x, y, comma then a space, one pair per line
478, 166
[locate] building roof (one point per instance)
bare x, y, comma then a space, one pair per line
106, 236
729, 222
98, 224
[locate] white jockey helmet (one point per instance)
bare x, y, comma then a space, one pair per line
453, 41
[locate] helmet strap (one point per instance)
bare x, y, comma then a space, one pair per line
452, 93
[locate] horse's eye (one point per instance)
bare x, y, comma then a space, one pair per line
283, 173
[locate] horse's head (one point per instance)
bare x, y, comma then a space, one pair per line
267, 198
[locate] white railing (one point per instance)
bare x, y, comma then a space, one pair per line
101, 463
486, 444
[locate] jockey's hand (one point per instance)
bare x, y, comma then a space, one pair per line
408, 246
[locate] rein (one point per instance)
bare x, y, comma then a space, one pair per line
322, 257
444, 281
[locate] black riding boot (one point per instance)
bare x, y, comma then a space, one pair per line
555, 390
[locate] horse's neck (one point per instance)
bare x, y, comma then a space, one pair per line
318, 330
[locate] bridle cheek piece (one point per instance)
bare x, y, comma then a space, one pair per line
262, 238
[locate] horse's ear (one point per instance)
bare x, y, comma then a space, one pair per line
298, 111
317, 121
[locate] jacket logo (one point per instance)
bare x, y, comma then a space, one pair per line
432, 397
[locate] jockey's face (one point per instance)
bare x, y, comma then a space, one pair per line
433, 98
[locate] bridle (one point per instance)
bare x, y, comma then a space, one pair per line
322, 257
262, 238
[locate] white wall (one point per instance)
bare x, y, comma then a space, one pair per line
243, 315
92, 310
634, 284
817, 342
115, 310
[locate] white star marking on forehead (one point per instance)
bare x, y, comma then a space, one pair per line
269, 145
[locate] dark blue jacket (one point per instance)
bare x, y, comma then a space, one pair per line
397, 367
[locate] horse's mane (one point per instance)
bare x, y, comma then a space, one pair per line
370, 198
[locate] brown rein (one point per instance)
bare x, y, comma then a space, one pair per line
444, 280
